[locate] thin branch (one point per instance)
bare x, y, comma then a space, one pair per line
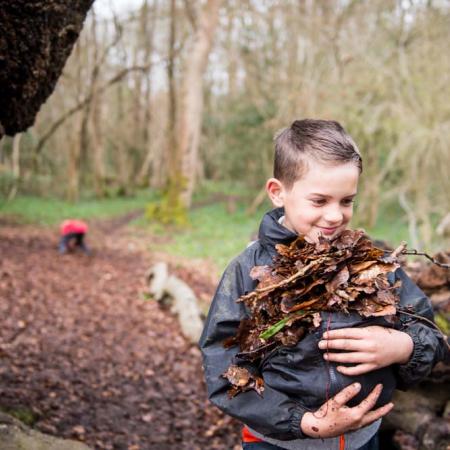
399, 250
118, 77
444, 337
415, 252
296, 275
256, 350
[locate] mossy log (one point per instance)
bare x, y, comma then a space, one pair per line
14, 435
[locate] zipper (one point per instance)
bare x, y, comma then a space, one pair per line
333, 377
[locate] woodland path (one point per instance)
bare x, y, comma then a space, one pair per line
84, 354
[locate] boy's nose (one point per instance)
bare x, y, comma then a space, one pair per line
333, 216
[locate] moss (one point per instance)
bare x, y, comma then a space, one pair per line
25, 415
443, 322
169, 209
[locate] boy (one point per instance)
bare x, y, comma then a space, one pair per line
316, 171
72, 235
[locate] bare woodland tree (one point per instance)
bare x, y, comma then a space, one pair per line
380, 68
191, 109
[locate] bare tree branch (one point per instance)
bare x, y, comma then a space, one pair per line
115, 79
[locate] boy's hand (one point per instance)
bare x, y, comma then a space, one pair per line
369, 348
335, 418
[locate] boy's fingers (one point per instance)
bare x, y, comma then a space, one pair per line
372, 416
369, 402
355, 333
342, 397
342, 344
345, 333
353, 357
356, 370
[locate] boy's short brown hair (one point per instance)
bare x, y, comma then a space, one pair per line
324, 140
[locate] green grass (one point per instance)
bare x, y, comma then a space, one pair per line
219, 236
46, 211
390, 226
213, 233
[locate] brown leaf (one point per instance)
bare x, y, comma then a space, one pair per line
339, 279
242, 380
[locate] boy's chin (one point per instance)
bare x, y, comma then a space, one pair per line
313, 238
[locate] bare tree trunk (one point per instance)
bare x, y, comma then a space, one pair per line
192, 102
122, 157
96, 125
412, 220
137, 92
98, 148
149, 24
15, 166
73, 187
232, 62
172, 154
2, 142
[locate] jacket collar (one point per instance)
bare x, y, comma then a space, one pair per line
271, 232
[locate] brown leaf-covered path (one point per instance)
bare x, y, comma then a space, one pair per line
84, 353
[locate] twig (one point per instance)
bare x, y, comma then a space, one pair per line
415, 252
256, 350
399, 250
296, 275
402, 311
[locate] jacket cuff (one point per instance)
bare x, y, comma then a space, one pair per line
413, 371
294, 426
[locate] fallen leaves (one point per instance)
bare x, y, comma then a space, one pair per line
86, 359
242, 380
347, 273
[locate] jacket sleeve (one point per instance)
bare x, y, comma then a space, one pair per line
273, 414
429, 344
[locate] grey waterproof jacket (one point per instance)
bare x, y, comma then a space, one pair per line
297, 378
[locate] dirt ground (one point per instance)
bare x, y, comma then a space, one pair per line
84, 354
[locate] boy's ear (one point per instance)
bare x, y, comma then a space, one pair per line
275, 191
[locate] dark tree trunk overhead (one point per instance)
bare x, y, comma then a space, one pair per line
36, 38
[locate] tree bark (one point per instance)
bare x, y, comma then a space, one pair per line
15, 166
148, 31
96, 123
172, 155
36, 39
192, 100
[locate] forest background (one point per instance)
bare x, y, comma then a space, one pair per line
171, 106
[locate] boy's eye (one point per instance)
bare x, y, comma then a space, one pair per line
348, 201
318, 202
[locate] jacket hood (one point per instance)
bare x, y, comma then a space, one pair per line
271, 232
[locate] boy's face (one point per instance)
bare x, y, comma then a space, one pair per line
320, 202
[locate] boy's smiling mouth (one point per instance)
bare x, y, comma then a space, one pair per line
328, 230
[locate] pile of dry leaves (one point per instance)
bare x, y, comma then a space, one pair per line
347, 273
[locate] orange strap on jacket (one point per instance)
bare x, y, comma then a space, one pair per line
249, 437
